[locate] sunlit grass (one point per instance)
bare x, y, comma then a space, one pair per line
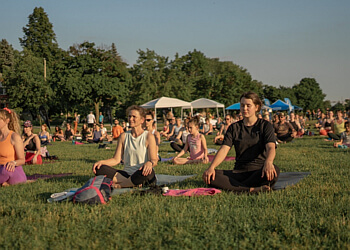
312, 214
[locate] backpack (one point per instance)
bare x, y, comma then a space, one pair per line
97, 190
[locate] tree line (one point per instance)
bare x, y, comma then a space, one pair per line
87, 76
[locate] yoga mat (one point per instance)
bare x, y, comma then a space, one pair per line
167, 159
227, 158
285, 180
162, 179
34, 177
289, 179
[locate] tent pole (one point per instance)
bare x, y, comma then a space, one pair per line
217, 112
155, 117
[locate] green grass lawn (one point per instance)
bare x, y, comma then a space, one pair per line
312, 214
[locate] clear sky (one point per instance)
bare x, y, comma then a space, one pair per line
278, 41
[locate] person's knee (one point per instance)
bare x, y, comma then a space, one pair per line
107, 171
277, 170
138, 178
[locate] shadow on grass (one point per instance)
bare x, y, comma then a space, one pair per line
72, 178
43, 196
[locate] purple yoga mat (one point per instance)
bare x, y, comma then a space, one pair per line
46, 176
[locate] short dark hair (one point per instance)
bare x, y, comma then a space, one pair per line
149, 112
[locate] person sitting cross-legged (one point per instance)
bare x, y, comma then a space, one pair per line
195, 143
254, 142
284, 130
138, 150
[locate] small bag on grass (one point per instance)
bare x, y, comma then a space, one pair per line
97, 190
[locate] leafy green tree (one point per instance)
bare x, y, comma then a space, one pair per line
309, 94
237, 80
177, 84
7, 57
93, 76
39, 36
149, 77
287, 92
216, 80
25, 84
347, 104
338, 106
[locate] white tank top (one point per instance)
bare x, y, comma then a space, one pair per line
135, 152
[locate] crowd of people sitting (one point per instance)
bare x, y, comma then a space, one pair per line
253, 133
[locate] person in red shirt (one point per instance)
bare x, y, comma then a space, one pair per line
117, 130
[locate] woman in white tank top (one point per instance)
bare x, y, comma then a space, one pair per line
138, 150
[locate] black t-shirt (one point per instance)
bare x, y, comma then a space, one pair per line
68, 134
31, 146
84, 133
294, 125
250, 143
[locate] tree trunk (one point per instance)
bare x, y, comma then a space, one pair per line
97, 110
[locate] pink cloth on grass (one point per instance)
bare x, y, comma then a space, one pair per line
227, 158
192, 192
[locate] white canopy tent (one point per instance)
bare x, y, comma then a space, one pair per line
206, 103
166, 102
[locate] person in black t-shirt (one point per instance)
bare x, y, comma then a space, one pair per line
254, 141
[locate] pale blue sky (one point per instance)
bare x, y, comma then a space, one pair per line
278, 41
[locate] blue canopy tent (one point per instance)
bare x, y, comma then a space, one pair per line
297, 108
235, 106
279, 105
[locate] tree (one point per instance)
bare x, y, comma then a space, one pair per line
93, 76
7, 58
39, 36
347, 104
309, 94
338, 106
25, 84
149, 77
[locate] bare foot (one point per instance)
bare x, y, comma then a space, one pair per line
5, 184
259, 189
116, 186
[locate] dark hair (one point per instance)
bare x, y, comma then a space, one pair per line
149, 112
254, 97
194, 120
346, 124
137, 108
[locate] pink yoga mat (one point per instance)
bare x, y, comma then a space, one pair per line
227, 158
192, 192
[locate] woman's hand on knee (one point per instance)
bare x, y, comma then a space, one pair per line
97, 165
269, 171
146, 168
208, 175
10, 166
